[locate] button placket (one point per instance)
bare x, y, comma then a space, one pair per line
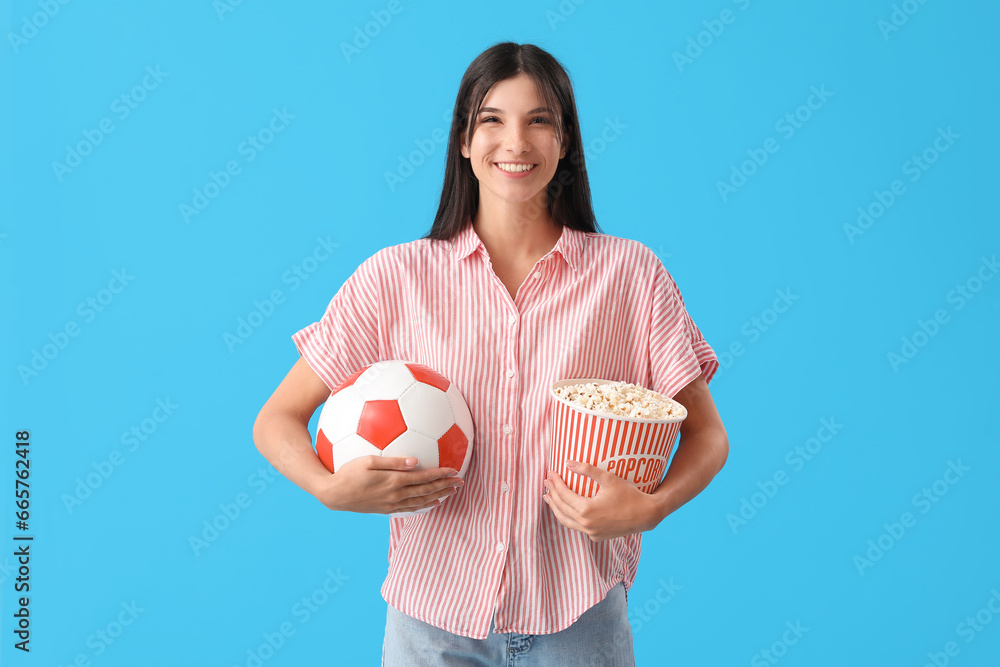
511, 387
507, 415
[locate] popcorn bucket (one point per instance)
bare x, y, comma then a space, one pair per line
636, 449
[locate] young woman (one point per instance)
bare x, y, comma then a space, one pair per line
512, 289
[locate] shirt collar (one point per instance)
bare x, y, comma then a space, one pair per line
569, 245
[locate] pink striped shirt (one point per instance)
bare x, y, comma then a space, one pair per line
595, 306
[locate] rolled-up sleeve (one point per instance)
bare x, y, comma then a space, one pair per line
678, 352
346, 338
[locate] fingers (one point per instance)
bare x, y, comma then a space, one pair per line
571, 502
391, 462
419, 477
407, 464
434, 488
424, 501
417, 491
561, 516
388, 484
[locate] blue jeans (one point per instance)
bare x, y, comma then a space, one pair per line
601, 637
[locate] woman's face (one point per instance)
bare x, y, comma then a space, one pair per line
514, 132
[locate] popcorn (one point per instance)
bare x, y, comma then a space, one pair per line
622, 399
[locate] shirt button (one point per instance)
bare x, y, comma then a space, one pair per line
510, 372
504, 488
538, 274
512, 319
499, 546
507, 429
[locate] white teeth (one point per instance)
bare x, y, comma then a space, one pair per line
515, 168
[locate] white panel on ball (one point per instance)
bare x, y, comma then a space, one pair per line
461, 411
341, 413
427, 410
414, 444
384, 381
351, 447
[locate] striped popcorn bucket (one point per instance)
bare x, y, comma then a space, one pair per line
635, 449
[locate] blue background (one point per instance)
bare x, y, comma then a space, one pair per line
714, 587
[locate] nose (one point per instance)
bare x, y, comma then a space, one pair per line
515, 139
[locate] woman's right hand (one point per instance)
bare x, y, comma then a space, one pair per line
386, 484
373, 484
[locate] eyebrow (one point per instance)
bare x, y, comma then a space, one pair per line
495, 110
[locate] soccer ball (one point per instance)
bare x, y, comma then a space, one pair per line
396, 408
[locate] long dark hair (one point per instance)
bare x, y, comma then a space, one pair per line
568, 191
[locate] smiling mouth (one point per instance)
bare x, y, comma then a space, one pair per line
513, 168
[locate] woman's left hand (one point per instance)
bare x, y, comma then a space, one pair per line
618, 508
